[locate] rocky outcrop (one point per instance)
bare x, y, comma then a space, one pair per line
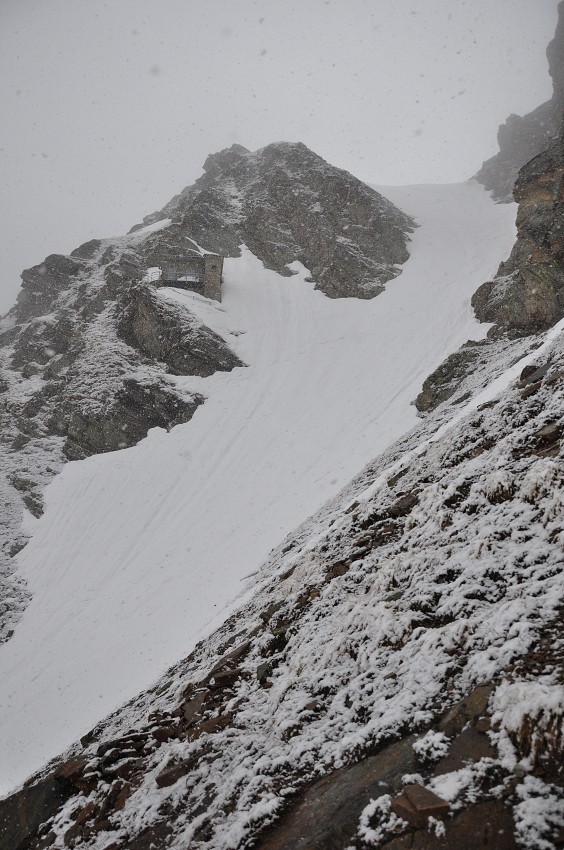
166, 332
134, 409
286, 204
42, 284
522, 138
443, 383
21, 818
527, 294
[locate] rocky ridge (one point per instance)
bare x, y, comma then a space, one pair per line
285, 203
521, 138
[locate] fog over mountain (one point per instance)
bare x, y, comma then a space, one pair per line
109, 107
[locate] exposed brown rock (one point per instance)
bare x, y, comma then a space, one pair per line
224, 679
23, 813
485, 826
193, 708
208, 727
70, 770
86, 813
172, 774
325, 816
404, 809
417, 804
470, 746
466, 710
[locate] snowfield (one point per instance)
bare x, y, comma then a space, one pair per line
142, 552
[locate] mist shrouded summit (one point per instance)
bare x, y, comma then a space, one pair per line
286, 203
110, 109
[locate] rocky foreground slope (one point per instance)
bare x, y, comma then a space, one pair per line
408, 637
89, 354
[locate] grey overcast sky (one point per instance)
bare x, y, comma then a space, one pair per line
110, 107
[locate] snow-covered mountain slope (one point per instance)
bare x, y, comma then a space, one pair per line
142, 552
87, 351
407, 638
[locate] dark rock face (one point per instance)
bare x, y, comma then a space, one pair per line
519, 139
522, 138
327, 813
447, 378
135, 409
21, 816
486, 825
527, 294
286, 203
43, 283
165, 332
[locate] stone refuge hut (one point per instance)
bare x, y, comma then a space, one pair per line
197, 271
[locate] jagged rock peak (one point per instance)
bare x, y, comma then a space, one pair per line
226, 157
286, 203
521, 138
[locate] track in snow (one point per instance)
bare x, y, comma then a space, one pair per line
141, 553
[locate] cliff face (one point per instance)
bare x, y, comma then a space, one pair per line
527, 294
286, 203
523, 137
